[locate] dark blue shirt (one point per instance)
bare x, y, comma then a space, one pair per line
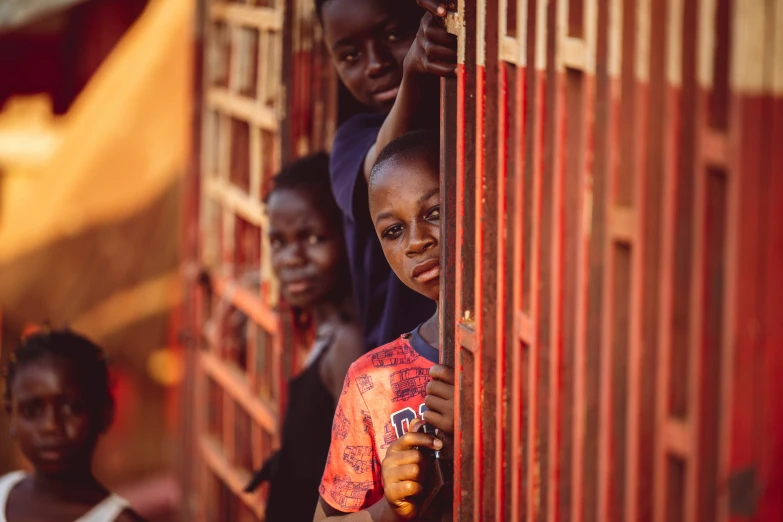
387, 308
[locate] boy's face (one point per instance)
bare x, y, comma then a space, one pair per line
368, 41
307, 249
405, 209
51, 418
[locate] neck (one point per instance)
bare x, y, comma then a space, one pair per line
63, 485
325, 312
430, 330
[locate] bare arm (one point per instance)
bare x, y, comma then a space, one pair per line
434, 52
346, 348
129, 515
378, 512
403, 471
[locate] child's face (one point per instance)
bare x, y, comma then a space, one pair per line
405, 209
368, 41
307, 249
51, 418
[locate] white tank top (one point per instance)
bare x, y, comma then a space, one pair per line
105, 511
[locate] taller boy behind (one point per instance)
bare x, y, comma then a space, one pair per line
393, 71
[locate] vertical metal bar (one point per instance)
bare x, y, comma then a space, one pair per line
719, 84
478, 195
449, 248
556, 79
636, 377
515, 150
772, 502
747, 81
582, 233
465, 437
605, 455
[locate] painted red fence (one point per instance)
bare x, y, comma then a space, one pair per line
613, 186
268, 96
613, 173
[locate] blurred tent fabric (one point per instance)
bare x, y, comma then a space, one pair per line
16, 13
89, 220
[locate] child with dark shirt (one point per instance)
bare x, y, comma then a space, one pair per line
376, 469
389, 54
58, 397
308, 258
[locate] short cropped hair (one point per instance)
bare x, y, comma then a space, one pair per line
310, 174
85, 358
421, 144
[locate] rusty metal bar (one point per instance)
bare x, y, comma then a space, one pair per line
231, 476
234, 383
246, 301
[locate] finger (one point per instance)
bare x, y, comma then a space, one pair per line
414, 472
441, 422
439, 54
439, 405
438, 34
443, 373
440, 389
401, 458
400, 491
433, 6
415, 440
439, 68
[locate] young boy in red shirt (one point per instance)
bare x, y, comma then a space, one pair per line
375, 469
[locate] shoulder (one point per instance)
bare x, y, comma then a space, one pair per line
348, 340
376, 359
352, 140
13, 476
359, 124
10, 480
128, 515
347, 346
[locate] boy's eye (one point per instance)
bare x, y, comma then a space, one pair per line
349, 56
392, 37
434, 213
30, 410
313, 239
392, 232
275, 243
72, 408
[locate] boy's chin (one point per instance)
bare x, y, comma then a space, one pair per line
431, 290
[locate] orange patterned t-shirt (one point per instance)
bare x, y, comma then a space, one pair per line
383, 393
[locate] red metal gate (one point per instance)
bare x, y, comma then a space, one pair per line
268, 96
613, 193
613, 183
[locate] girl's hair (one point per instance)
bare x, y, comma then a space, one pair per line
85, 359
310, 174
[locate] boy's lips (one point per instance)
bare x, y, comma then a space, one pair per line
297, 287
426, 271
386, 95
53, 453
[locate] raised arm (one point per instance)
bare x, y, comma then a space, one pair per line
433, 52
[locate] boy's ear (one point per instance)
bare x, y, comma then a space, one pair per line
11, 425
107, 418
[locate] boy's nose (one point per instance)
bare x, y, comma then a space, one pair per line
50, 423
378, 59
294, 255
420, 241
